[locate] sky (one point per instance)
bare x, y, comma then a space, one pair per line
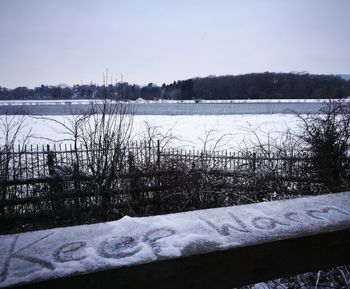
75, 41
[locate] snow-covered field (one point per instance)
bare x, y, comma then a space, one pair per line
222, 124
185, 131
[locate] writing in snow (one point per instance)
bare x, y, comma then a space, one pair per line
64, 251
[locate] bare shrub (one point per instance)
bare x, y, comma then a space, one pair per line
101, 138
327, 137
12, 128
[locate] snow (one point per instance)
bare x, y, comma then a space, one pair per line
220, 107
186, 131
345, 76
35, 256
49, 102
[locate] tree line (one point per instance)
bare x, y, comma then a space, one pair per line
268, 85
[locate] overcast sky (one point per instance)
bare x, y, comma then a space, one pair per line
74, 41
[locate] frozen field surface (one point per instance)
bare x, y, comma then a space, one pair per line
168, 108
185, 131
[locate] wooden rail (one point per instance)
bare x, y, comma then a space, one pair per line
215, 248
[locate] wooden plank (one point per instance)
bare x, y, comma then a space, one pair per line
220, 269
215, 248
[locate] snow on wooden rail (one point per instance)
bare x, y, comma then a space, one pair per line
214, 248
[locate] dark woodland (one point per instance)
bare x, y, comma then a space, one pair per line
266, 85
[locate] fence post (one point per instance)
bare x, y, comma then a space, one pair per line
77, 189
3, 187
253, 163
133, 183
158, 154
131, 161
290, 166
157, 196
55, 182
50, 160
